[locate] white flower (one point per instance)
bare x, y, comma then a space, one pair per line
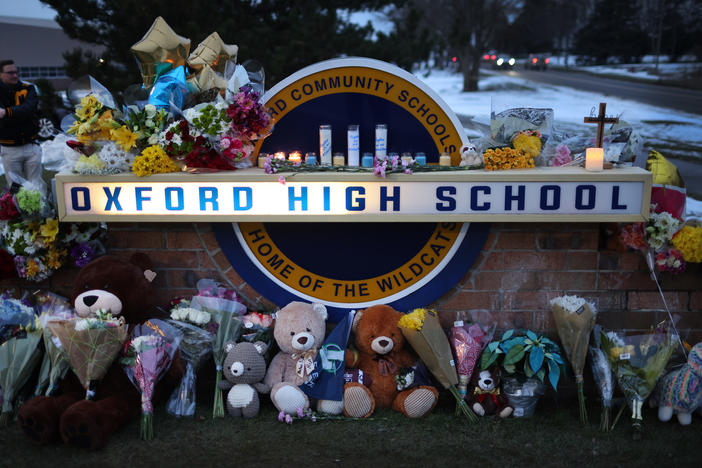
150, 110
614, 338
153, 139
150, 123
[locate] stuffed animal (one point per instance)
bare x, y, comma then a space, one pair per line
383, 358
125, 289
299, 332
244, 368
680, 391
470, 156
486, 399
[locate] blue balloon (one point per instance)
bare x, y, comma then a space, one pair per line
169, 88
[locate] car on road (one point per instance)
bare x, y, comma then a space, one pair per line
499, 61
537, 62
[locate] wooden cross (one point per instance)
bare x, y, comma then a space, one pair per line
601, 120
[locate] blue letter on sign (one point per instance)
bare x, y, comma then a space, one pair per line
384, 199
519, 197
178, 191
112, 199
474, 206
292, 198
140, 197
208, 195
85, 206
555, 203
442, 194
591, 197
615, 199
237, 198
355, 204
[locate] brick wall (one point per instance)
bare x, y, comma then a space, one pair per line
522, 266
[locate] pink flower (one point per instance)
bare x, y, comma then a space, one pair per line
379, 169
281, 179
563, 155
281, 416
288, 419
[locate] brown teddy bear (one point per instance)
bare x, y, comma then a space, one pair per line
485, 398
382, 357
125, 289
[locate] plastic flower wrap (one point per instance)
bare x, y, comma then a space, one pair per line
52, 307
18, 357
146, 123
423, 332
92, 344
522, 128
221, 303
575, 319
15, 314
604, 379
153, 160
468, 342
638, 361
257, 327
147, 357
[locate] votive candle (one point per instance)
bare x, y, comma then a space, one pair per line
406, 157
381, 141
421, 159
311, 158
354, 145
367, 160
262, 160
279, 155
338, 159
325, 145
594, 159
295, 157
444, 159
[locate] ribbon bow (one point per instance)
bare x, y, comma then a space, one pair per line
305, 362
385, 365
485, 394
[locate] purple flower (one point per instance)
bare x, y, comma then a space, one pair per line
288, 419
379, 169
300, 413
281, 416
395, 159
281, 179
82, 254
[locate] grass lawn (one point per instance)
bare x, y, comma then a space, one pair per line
553, 437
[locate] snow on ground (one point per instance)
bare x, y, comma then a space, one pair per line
646, 70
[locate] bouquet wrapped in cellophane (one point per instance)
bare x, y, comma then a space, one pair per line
422, 330
91, 344
195, 347
604, 379
147, 357
638, 361
575, 318
19, 355
225, 310
468, 342
54, 366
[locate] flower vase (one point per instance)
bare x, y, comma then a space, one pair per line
522, 394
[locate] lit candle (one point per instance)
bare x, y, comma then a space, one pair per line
325, 145
338, 159
354, 145
311, 158
444, 159
295, 157
279, 155
367, 160
594, 159
262, 160
381, 141
407, 157
421, 159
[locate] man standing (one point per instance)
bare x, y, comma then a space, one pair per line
21, 155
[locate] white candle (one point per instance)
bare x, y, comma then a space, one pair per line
594, 159
381, 141
279, 156
354, 144
295, 157
325, 145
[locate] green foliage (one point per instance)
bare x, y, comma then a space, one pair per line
49, 101
525, 353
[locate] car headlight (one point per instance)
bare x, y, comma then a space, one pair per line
500, 61
511, 62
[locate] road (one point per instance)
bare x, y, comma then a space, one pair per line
664, 96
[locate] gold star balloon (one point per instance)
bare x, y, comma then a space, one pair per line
159, 46
205, 79
213, 52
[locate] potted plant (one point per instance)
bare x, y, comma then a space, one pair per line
525, 360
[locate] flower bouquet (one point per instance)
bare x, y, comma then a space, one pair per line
637, 361
195, 347
18, 357
257, 327
54, 366
147, 357
604, 379
422, 330
92, 344
575, 318
468, 342
146, 123
226, 311
14, 315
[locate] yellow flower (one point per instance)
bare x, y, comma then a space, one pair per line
530, 144
124, 137
153, 160
54, 259
688, 241
32, 268
414, 320
50, 229
89, 106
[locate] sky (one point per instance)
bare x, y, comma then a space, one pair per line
26, 8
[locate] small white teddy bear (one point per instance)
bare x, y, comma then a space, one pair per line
470, 156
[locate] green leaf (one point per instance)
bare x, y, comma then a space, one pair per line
488, 359
527, 369
493, 344
554, 373
532, 335
507, 334
536, 358
541, 374
515, 354
509, 368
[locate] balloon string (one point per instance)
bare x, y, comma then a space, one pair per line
649, 262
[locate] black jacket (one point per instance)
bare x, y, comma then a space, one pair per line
19, 126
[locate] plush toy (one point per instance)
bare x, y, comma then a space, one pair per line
125, 289
383, 358
485, 398
470, 156
244, 368
680, 391
299, 332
